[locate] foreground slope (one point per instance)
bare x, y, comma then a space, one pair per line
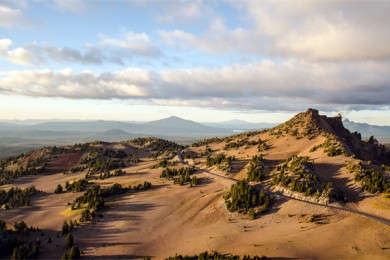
308, 166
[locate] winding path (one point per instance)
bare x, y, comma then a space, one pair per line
364, 214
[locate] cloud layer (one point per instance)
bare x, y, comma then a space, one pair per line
265, 85
282, 56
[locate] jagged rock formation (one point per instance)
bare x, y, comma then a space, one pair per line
310, 124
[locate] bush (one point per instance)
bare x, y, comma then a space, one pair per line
58, 189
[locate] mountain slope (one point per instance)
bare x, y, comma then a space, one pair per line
310, 124
175, 125
293, 184
382, 133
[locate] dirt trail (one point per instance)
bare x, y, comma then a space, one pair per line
364, 214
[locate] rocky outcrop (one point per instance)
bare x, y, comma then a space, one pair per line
311, 124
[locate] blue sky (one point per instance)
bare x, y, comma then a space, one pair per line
260, 61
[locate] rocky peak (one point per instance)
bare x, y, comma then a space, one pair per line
311, 124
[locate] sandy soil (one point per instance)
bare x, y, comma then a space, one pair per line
170, 219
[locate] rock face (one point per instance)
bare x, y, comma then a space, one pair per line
365, 150
311, 124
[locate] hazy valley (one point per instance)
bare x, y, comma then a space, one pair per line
307, 188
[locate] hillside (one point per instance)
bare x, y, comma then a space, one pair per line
240, 125
382, 133
25, 137
307, 188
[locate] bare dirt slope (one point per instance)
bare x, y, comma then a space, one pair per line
172, 219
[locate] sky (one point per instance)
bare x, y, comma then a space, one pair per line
214, 60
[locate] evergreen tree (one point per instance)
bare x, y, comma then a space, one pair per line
58, 189
74, 253
65, 228
69, 240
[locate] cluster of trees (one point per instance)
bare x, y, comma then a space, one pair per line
87, 215
108, 174
219, 159
296, 174
94, 196
67, 228
101, 160
73, 252
26, 166
7, 176
207, 141
76, 185
255, 168
242, 197
156, 144
111, 153
370, 180
77, 169
163, 163
242, 142
180, 176
215, 256
133, 159
99, 164
12, 246
16, 197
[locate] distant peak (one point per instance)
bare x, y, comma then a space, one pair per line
175, 117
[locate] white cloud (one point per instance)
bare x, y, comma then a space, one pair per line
309, 30
18, 56
137, 43
130, 83
108, 50
266, 85
11, 17
4, 44
21, 56
181, 11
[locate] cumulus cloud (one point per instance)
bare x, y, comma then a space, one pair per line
266, 85
181, 11
11, 15
130, 83
137, 43
108, 50
309, 30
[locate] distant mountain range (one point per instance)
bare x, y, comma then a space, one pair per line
22, 136
381, 133
240, 125
26, 135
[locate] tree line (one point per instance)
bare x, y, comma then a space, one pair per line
16, 197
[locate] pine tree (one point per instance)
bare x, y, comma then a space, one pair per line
69, 240
74, 253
